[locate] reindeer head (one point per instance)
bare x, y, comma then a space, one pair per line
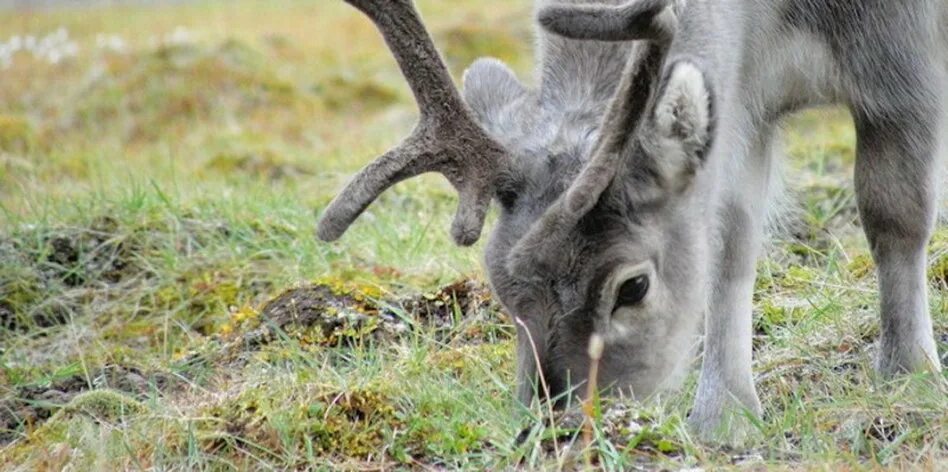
599, 230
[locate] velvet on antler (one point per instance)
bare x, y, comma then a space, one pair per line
447, 139
638, 19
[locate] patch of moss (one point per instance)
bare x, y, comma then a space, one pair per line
351, 287
796, 277
104, 404
458, 361
861, 266
772, 315
433, 429
356, 423
206, 295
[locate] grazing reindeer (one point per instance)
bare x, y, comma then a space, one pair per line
633, 183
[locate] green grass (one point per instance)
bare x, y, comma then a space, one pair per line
155, 201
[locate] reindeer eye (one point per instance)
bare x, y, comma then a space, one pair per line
632, 291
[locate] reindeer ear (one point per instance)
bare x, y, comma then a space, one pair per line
681, 126
491, 89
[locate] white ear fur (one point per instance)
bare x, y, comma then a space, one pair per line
682, 121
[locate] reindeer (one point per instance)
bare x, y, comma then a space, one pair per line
634, 182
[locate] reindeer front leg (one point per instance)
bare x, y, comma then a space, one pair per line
726, 395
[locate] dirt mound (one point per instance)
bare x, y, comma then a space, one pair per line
345, 317
84, 256
51, 275
47, 277
26, 407
334, 317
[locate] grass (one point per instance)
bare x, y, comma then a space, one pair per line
158, 193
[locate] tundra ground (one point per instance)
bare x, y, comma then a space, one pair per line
164, 304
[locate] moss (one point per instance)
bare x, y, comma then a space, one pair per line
861, 266
325, 315
772, 315
458, 360
433, 428
105, 404
796, 277
214, 288
356, 422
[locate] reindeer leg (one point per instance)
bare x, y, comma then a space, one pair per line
726, 394
897, 173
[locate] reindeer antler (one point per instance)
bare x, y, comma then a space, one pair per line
446, 139
637, 19
653, 20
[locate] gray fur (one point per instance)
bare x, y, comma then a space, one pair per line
657, 160
762, 60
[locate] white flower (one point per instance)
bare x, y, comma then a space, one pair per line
52, 48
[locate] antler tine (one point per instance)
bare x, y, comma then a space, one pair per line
446, 139
621, 122
654, 20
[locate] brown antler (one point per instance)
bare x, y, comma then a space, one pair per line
626, 111
637, 19
446, 139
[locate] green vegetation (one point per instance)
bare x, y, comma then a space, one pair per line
164, 304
